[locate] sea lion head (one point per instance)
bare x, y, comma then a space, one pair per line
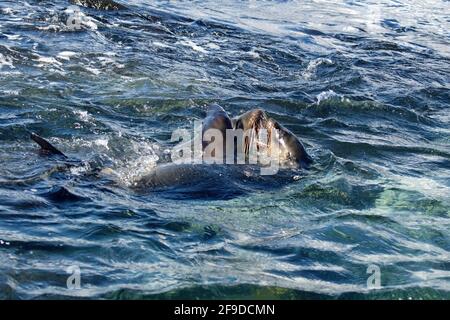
253, 119
216, 118
290, 150
251, 123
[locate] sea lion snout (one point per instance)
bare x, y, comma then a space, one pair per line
252, 119
290, 151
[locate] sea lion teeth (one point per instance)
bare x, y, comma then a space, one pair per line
290, 149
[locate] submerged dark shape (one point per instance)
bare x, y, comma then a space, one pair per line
62, 194
211, 181
99, 4
192, 181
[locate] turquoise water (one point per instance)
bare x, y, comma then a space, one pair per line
363, 84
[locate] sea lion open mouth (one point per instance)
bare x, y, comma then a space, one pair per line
290, 150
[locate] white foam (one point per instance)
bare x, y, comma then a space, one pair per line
102, 142
89, 22
312, 67
12, 92
4, 243
426, 186
252, 54
53, 27
48, 60
213, 46
325, 95
5, 61
107, 61
93, 70
349, 29
132, 170
160, 44
75, 20
13, 36
7, 11
66, 55
83, 115
193, 45
78, 170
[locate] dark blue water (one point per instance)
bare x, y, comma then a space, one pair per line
364, 85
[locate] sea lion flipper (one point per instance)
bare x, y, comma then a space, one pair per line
46, 146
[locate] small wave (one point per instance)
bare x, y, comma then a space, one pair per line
101, 231
330, 95
24, 200
71, 19
92, 70
83, 115
160, 44
252, 54
425, 185
108, 61
62, 194
311, 69
13, 36
48, 60
5, 61
193, 46
212, 46
11, 93
66, 55
142, 159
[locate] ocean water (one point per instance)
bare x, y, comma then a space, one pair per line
363, 84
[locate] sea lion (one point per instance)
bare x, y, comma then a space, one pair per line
99, 4
218, 119
171, 174
290, 150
